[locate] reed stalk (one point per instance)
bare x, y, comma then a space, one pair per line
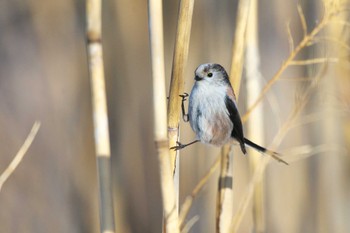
331, 11
182, 42
303, 99
100, 116
170, 213
255, 125
308, 39
224, 208
224, 200
290, 123
239, 44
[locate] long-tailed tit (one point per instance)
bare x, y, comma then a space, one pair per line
213, 112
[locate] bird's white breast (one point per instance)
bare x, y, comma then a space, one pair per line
209, 117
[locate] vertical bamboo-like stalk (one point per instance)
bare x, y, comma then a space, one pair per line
182, 42
160, 116
255, 124
224, 200
224, 209
330, 167
239, 45
99, 104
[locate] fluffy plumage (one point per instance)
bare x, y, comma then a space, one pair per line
213, 112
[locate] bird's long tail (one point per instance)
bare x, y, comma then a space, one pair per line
261, 149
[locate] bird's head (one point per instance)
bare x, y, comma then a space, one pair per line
211, 73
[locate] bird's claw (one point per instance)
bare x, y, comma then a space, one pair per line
178, 147
184, 96
185, 118
184, 115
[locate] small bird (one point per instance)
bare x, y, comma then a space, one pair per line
213, 112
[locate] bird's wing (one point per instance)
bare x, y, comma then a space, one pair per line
237, 131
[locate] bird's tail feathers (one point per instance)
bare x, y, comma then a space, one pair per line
261, 149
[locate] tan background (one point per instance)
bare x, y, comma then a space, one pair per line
43, 76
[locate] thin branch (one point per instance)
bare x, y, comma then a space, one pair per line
298, 79
305, 96
302, 19
20, 154
290, 38
331, 39
313, 61
343, 22
190, 224
303, 43
303, 152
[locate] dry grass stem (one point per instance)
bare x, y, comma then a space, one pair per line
100, 115
290, 38
313, 61
177, 77
342, 22
303, 152
160, 117
299, 105
302, 19
328, 15
256, 125
224, 208
313, 117
186, 206
330, 39
190, 224
20, 154
239, 44
224, 200
298, 79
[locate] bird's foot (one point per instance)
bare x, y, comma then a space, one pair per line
184, 96
178, 147
184, 115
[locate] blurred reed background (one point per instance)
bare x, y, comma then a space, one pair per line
44, 76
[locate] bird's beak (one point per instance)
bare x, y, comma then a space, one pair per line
197, 78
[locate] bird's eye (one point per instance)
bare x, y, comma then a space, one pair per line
210, 75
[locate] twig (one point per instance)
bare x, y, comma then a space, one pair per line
290, 38
190, 224
331, 39
313, 61
277, 140
20, 154
303, 43
302, 19
302, 152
